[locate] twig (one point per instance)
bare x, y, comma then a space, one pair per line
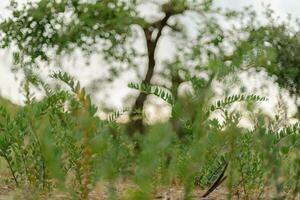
218, 182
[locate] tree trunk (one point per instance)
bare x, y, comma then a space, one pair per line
136, 123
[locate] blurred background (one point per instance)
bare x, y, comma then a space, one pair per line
92, 69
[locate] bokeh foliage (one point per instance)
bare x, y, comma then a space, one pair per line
60, 144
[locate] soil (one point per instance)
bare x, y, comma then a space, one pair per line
174, 193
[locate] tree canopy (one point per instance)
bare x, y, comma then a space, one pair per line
275, 49
41, 30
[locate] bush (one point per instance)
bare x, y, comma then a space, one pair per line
58, 143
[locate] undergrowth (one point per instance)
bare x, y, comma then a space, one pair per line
59, 143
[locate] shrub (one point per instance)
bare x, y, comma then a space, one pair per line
60, 143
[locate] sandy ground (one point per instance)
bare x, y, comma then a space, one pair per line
100, 193
174, 193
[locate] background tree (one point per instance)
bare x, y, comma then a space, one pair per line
41, 30
274, 48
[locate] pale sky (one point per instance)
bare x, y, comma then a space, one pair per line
9, 87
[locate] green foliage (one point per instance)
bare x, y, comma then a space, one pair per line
43, 26
59, 143
155, 90
235, 98
274, 48
112, 117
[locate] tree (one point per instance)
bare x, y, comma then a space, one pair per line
274, 48
40, 27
